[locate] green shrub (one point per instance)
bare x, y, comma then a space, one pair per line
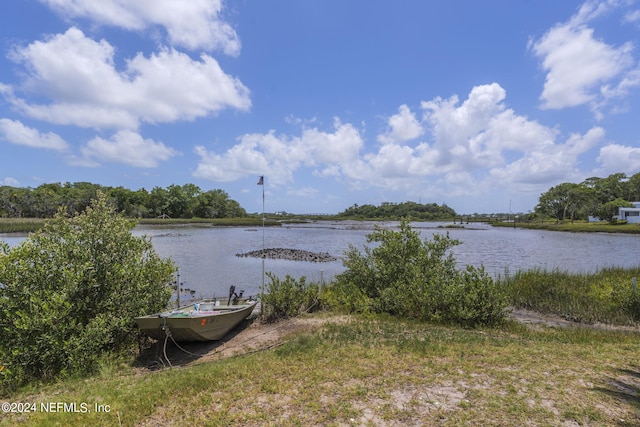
407, 277
70, 292
288, 298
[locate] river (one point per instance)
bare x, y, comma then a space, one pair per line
206, 256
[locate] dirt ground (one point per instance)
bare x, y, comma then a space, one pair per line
252, 336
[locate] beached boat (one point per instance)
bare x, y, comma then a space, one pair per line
205, 320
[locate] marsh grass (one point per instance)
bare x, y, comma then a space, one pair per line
27, 225
20, 225
607, 296
378, 370
576, 226
218, 222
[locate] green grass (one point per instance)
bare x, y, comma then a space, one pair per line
575, 227
20, 225
219, 222
607, 296
374, 371
27, 225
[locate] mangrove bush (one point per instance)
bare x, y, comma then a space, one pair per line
69, 293
409, 277
289, 297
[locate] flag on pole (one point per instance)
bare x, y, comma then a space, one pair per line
261, 180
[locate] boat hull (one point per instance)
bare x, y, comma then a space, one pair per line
187, 324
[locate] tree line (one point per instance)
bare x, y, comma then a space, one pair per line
598, 197
174, 201
413, 210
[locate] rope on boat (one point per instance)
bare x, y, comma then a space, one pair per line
168, 334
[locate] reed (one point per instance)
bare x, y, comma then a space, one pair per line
218, 222
608, 296
20, 225
575, 227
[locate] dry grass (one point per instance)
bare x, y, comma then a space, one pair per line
377, 371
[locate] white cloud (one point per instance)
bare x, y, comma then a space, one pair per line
582, 69
306, 192
128, 147
15, 132
633, 16
547, 164
279, 156
11, 182
193, 24
79, 76
478, 133
476, 146
616, 158
404, 126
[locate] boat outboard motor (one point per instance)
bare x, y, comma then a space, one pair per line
232, 290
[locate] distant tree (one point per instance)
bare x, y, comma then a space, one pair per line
557, 202
178, 202
415, 211
186, 201
608, 210
607, 189
158, 201
70, 292
633, 188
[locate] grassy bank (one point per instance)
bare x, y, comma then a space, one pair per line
608, 296
576, 227
27, 225
374, 371
215, 222
20, 225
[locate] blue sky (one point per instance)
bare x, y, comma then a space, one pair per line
479, 105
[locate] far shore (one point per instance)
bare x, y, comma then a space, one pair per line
27, 225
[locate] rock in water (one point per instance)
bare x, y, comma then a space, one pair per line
289, 254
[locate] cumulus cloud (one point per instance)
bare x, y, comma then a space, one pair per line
474, 147
127, 147
581, 68
403, 126
193, 24
549, 163
615, 158
16, 132
86, 89
12, 182
280, 156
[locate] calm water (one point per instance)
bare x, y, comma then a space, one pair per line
207, 261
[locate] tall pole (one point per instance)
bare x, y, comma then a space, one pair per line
261, 182
178, 286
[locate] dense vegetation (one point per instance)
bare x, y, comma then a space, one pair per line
405, 276
402, 276
609, 296
288, 298
175, 201
599, 197
413, 210
69, 293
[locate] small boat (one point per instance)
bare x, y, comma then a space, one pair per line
205, 320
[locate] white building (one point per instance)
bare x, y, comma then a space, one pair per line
631, 215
